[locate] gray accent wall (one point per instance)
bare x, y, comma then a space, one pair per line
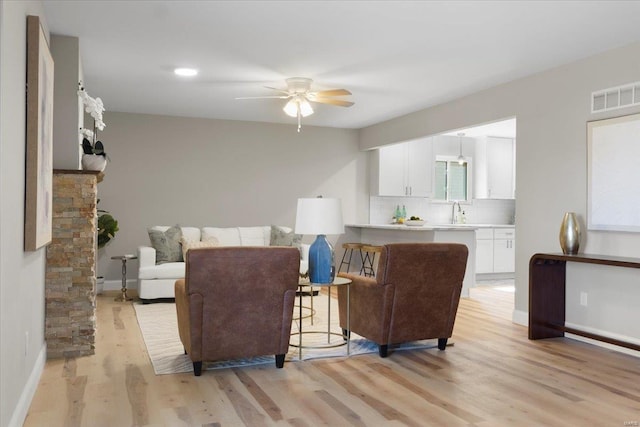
22, 349
220, 173
552, 110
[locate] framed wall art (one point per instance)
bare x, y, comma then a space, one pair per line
39, 139
613, 175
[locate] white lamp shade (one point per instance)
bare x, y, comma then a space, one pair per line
291, 109
305, 108
319, 216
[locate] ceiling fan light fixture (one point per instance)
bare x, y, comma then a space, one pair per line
305, 108
291, 108
298, 104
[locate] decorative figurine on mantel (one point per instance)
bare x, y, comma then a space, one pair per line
94, 157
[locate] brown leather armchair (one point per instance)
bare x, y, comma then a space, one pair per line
414, 295
237, 302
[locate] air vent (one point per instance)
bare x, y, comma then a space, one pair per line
615, 97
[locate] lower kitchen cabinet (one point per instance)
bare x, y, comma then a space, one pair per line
495, 250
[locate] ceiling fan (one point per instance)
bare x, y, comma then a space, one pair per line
300, 96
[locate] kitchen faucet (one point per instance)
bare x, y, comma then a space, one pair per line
454, 215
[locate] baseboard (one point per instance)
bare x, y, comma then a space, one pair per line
22, 408
483, 277
116, 285
520, 317
605, 334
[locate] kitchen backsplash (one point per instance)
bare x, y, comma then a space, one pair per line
480, 211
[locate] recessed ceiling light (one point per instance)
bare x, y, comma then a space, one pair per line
185, 72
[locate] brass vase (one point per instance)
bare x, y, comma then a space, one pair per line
570, 234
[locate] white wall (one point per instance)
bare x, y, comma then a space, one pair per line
202, 172
552, 109
67, 105
21, 273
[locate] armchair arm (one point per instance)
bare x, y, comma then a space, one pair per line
183, 313
146, 256
370, 307
304, 258
304, 252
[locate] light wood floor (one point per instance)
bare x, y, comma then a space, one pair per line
492, 376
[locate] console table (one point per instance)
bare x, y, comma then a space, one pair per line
547, 280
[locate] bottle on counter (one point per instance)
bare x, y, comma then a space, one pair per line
404, 213
397, 214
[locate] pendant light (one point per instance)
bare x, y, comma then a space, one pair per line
461, 159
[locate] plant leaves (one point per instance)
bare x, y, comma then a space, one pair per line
86, 146
99, 149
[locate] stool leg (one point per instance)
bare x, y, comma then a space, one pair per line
363, 260
373, 262
346, 262
367, 264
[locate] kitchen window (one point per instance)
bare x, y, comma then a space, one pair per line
452, 180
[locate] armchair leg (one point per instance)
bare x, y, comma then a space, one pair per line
346, 334
383, 350
279, 360
442, 343
197, 368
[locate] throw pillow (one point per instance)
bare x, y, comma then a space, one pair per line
187, 244
167, 244
281, 236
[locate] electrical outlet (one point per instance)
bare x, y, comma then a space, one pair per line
583, 299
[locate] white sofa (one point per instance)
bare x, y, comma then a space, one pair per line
157, 280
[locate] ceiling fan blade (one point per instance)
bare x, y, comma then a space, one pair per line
278, 90
338, 102
263, 97
332, 92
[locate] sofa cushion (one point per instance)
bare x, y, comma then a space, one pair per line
168, 270
167, 244
254, 236
284, 236
194, 244
225, 236
191, 233
239, 236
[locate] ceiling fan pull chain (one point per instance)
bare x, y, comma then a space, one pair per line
299, 120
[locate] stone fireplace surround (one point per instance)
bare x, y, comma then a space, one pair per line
70, 275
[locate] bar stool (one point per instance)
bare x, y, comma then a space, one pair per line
369, 259
349, 247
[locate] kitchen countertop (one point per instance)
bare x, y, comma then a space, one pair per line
429, 227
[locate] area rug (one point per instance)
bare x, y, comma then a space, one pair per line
159, 326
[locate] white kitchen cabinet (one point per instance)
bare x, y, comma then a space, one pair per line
405, 169
504, 253
495, 250
500, 168
391, 170
484, 250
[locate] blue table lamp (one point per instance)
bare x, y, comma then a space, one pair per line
320, 216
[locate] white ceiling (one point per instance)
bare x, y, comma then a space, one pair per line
396, 57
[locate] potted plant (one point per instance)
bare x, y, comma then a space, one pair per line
94, 156
107, 228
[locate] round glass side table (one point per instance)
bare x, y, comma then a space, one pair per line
345, 340
124, 259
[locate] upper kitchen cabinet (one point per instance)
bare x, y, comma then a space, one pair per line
495, 168
405, 169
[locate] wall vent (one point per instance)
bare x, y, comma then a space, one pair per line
615, 97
